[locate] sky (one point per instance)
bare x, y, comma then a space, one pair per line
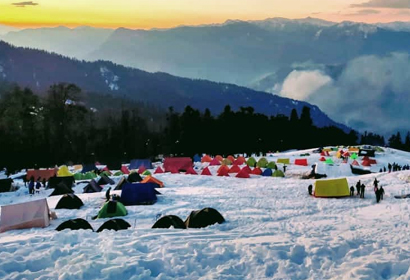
147, 14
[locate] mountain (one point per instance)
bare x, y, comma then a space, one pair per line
395, 26
38, 70
76, 43
4, 29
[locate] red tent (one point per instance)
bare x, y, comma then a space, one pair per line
322, 159
107, 170
324, 153
231, 158
366, 163
355, 163
301, 161
223, 167
242, 174
125, 170
191, 171
366, 158
206, 172
178, 163
247, 169
173, 170
372, 161
240, 160
220, 158
41, 173
158, 170
234, 169
141, 169
215, 161
224, 172
256, 171
346, 154
206, 158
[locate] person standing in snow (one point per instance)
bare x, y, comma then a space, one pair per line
362, 187
381, 191
284, 168
351, 191
375, 182
310, 189
31, 185
38, 185
377, 193
389, 167
358, 187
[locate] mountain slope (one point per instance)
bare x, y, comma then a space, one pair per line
4, 29
38, 70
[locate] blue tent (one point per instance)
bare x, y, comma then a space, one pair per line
138, 194
268, 172
88, 167
136, 163
197, 158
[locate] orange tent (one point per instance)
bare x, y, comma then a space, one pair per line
231, 158
206, 172
206, 158
223, 167
234, 169
150, 179
220, 158
241, 160
223, 172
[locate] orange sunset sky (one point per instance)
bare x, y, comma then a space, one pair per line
168, 13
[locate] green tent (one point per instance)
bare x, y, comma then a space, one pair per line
335, 149
251, 162
146, 172
112, 209
226, 162
262, 162
378, 149
271, 165
89, 176
329, 161
353, 156
78, 176
278, 173
106, 173
118, 173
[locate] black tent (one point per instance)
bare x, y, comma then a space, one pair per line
5, 185
92, 187
88, 167
69, 201
75, 224
203, 218
61, 189
105, 180
114, 165
169, 221
367, 152
54, 181
359, 171
114, 224
134, 178
121, 182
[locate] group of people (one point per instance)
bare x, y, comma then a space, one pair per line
360, 188
396, 167
35, 186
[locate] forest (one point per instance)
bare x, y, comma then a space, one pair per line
59, 127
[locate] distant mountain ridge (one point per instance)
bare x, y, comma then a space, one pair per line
38, 70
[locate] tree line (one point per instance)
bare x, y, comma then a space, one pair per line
58, 128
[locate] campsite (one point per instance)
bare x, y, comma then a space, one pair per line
212, 217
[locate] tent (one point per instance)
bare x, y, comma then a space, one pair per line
215, 162
197, 158
6, 185
118, 173
25, 215
240, 160
114, 224
137, 163
179, 163
64, 172
61, 189
114, 165
191, 171
332, 188
54, 181
170, 221
278, 173
173, 170
138, 194
223, 171
120, 183
141, 169
367, 152
271, 165
283, 160
105, 180
111, 209
230, 158
224, 168
243, 174
301, 161
256, 171
203, 218
329, 161
158, 170
372, 161
355, 163
150, 179
226, 162
206, 158
125, 170
41, 173
77, 167
219, 158
353, 156
92, 187
234, 169
322, 159
88, 167
325, 153
106, 172
359, 171
353, 149
206, 172
75, 224
267, 173
251, 162
247, 169
146, 172
69, 201
134, 177
366, 163
262, 163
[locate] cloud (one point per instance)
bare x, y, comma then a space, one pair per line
370, 94
394, 4
24, 4
365, 12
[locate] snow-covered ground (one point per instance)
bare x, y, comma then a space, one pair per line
274, 230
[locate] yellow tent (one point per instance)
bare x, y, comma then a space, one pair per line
63, 172
283, 160
354, 149
332, 188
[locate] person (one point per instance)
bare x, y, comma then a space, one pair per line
31, 185
375, 182
38, 185
384, 168
389, 166
381, 190
362, 188
310, 189
107, 194
351, 191
44, 183
284, 168
358, 187
377, 193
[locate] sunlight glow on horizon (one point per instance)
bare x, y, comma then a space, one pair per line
143, 14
